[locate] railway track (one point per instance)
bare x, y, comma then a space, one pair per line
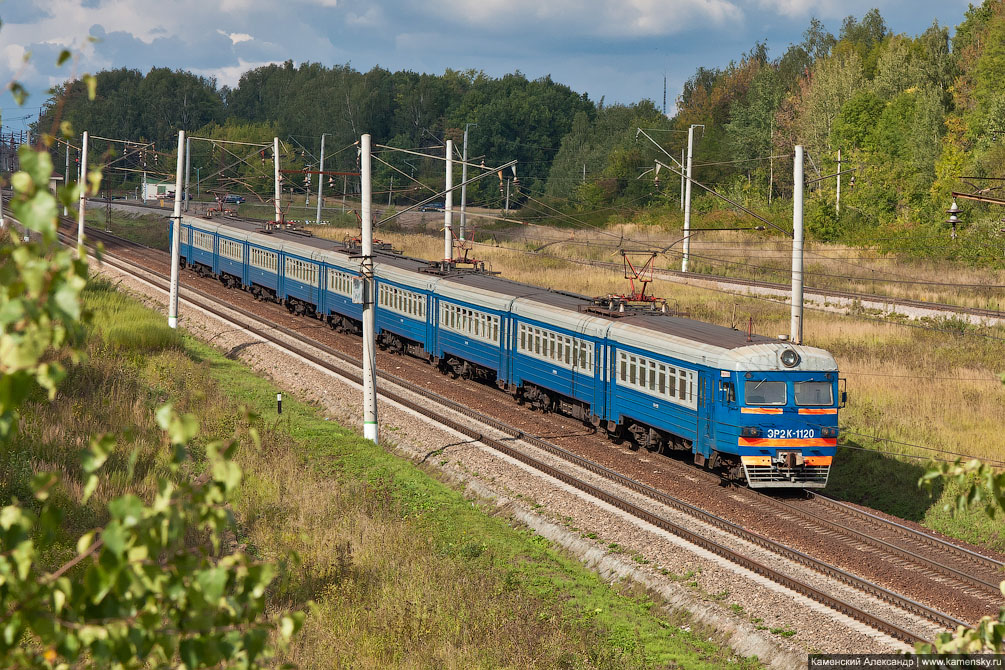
316, 353
668, 274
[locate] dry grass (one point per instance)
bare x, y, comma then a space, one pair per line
748, 255
396, 569
937, 389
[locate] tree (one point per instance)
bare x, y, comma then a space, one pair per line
834, 80
153, 585
981, 485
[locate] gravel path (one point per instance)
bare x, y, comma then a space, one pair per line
754, 615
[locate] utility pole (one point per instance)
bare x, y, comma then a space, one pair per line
345, 187
796, 325
837, 208
507, 193
464, 181
275, 164
321, 179
176, 235
448, 209
687, 197
82, 208
66, 176
369, 314
682, 180
391, 190
144, 157
188, 169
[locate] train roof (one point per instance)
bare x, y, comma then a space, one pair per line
718, 345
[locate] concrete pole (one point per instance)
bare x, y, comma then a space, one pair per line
369, 296
144, 180
448, 209
391, 191
507, 193
82, 207
687, 200
176, 234
464, 186
275, 164
66, 176
682, 180
796, 326
188, 168
837, 208
321, 179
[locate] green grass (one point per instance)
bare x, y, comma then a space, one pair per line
395, 567
148, 229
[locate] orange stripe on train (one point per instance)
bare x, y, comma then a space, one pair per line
760, 410
768, 442
831, 410
766, 460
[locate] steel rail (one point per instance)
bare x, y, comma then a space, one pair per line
986, 561
269, 332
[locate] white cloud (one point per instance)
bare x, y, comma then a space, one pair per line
602, 18
230, 75
236, 38
371, 18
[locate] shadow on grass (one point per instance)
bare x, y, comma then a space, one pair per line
882, 482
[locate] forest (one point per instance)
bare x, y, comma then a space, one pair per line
914, 117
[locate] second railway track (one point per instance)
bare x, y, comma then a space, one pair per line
255, 324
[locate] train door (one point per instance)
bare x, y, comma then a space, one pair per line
706, 408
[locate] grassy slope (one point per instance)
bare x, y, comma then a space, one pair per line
397, 568
936, 387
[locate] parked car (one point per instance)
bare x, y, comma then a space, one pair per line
232, 199
432, 207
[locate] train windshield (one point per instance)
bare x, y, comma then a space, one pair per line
814, 393
764, 392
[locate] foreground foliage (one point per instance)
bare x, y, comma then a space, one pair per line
153, 584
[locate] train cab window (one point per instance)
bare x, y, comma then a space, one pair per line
728, 392
814, 393
764, 392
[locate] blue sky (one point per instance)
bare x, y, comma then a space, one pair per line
618, 50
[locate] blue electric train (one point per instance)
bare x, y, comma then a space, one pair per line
755, 409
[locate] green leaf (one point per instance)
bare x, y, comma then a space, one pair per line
18, 92
84, 542
98, 452
38, 165
41, 483
92, 85
89, 488
115, 537
212, 582
128, 509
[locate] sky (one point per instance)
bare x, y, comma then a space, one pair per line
615, 50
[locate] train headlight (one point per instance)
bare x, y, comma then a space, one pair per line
790, 358
750, 431
829, 431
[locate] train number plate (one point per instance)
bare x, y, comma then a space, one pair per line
789, 433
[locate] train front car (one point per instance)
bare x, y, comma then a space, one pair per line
778, 405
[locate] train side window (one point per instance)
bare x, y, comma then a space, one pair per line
642, 372
624, 367
523, 337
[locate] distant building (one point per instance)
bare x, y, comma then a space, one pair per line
156, 190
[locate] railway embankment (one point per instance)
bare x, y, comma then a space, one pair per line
392, 560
